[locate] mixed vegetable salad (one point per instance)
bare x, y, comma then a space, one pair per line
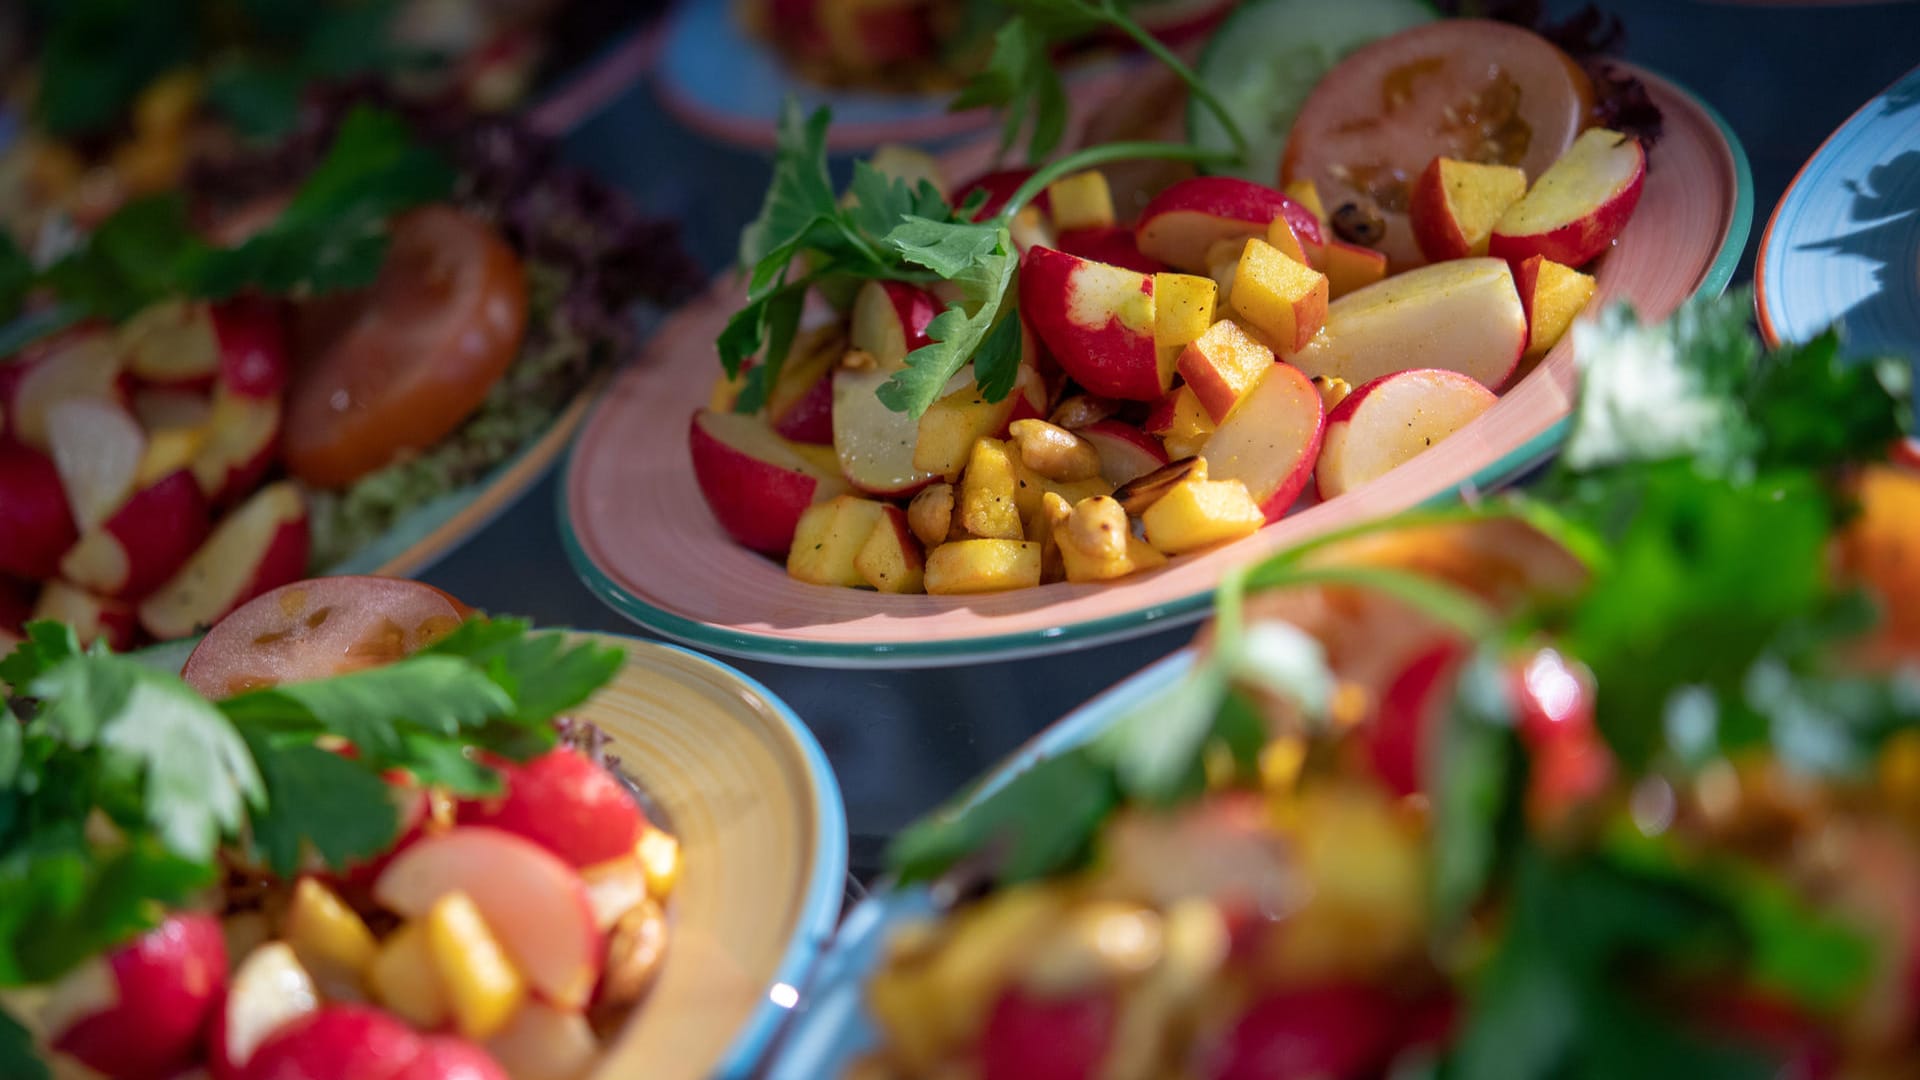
1612, 777
356, 837
1046, 375
224, 389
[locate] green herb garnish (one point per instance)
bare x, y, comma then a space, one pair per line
806, 237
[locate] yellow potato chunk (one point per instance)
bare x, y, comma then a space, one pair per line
1284, 299
890, 560
1081, 201
659, 855
1307, 194
989, 493
1190, 426
982, 566
828, 539
329, 938
404, 980
483, 987
1183, 306
1030, 487
1198, 514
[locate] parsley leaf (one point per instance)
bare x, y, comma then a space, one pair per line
321, 798
17, 1056
68, 900
45, 647
544, 674
195, 774
371, 708
97, 55
1041, 820
981, 260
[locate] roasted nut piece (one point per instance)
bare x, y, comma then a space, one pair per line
1137, 494
635, 947
1054, 452
1098, 529
1079, 410
930, 514
1097, 944
1333, 390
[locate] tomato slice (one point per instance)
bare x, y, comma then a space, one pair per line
411, 360
313, 629
1467, 89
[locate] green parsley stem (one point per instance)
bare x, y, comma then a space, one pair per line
1198, 88
1100, 155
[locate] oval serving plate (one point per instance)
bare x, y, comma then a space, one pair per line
750, 796
639, 532
731, 87
833, 1029
1843, 245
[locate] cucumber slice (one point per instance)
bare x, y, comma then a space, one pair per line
1267, 57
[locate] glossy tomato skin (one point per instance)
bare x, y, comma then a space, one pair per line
566, 804
170, 980
1034, 1038
408, 364
319, 627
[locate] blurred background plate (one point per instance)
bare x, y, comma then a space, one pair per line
833, 1029
745, 787
1843, 245
730, 86
640, 535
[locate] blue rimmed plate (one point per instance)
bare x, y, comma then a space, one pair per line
1843, 246
833, 1029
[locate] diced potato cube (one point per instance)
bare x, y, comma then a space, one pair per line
1030, 487
483, 987
1307, 194
329, 938
1183, 307
890, 560
1284, 239
1284, 299
1198, 514
1190, 426
1223, 364
981, 566
828, 539
989, 493
950, 427
1081, 201
405, 981
660, 856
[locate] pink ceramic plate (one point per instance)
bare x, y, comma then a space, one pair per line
639, 532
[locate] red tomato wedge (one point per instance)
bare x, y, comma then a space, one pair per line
313, 629
407, 363
1466, 89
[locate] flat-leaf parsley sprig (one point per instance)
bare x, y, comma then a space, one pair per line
888, 230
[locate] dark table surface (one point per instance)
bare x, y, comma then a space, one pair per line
1784, 76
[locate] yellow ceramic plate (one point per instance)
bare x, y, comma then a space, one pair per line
763, 835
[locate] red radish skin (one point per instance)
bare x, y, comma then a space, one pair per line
93, 618
1110, 244
260, 546
81, 363
1126, 452
339, 1042
1096, 320
566, 804
444, 1057
145, 542
1579, 206
319, 627
810, 420
1326, 1031
252, 333
756, 486
269, 991
169, 980
36, 527
1271, 441
999, 187
1183, 221
533, 901
1030, 1038
240, 448
16, 607
1409, 707
890, 320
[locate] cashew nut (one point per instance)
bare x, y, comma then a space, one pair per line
1054, 452
1079, 410
1098, 528
930, 514
1136, 495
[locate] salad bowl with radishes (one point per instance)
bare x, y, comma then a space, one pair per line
383, 838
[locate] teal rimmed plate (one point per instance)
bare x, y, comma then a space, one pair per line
639, 533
